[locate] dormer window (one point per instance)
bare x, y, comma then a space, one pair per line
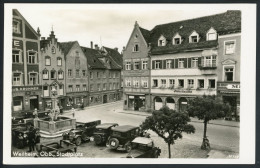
211, 34
162, 41
194, 37
176, 39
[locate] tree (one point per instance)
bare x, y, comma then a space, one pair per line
207, 108
168, 124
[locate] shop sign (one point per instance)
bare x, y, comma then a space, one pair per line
142, 97
131, 97
184, 102
26, 88
233, 86
183, 91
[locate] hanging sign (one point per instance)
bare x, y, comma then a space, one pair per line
233, 86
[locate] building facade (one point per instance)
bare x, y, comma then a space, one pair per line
52, 70
136, 73
26, 81
104, 76
76, 75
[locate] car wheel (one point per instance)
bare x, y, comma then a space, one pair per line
128, 147
113, 143
78, 141
98, 139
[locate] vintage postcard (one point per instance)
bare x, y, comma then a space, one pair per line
104, 83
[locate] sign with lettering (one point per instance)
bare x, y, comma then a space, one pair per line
26, 88
233, 86
16, 43
131, 97
183, 91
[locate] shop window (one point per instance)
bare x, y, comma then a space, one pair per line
181, 83
77, 88
17, 79
190, 83
212, 83
59, 61
60, 75
69, 72
32, 78
181, 63
70, 88
229, 74
31, 57
194, 62
45, 74
201, 83
144, 64
155, 83
128, 66
16, 27
229, 47
53, 74
16, 56
18, 103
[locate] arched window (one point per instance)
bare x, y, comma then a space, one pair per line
45, 74
47, 60
60, 74
53, 50
53, 74
59, 61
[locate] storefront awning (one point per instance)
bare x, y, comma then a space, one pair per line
209, 52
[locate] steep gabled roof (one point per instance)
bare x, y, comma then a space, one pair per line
223, 23
115, 55
145, 33
92, 57
66, 46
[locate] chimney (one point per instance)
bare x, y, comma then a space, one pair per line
116, 48
91, 44
42, 38
96, 47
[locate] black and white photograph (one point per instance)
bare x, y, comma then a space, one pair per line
168, 83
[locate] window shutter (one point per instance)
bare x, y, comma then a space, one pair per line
176, 63
185, 62
199, 61
164, 64
189, 62
172, 64
160, 64
153, 64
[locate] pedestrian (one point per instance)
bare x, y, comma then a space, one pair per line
31, 138
61, 110
73, 112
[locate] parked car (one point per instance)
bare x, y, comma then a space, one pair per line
20, 136
142, 147
83, 132
102, 132
122, 136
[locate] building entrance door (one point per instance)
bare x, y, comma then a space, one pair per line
34, 102
105, 99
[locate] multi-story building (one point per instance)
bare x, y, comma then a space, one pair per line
136, 73
76, 75
228, 65
184, 58
52, 70
26, 86
104, 76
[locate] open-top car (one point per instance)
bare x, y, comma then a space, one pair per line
142, 147
122, 136
102, 132
83, 132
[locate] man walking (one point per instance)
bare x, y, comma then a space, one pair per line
31, 138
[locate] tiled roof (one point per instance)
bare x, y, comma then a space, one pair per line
145, 33
92, 57
116, 56
224, 23
66, 46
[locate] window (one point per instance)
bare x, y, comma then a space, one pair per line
98, 75
229, 47
17, 79
181, 63
69, 72
53, 50
212, 83
16, 56
229, 74
172, 83
181, 83
136, 48
136, 83
60, 90
98, 86
70, 88
163, 82
33, 78
177, 41
209, 61
45, 74
84, 73
161, 41
114, 75
201, 83
45, 91
194, 39
117, 85
144, 64
53, 74
16, 27
128, 82
60, 74
77, 88
104, 86
168, 64
77, 73
128, 66
104, 75
155, 83
190, 83
114, 86
157, 64
110, 74
136, 65
47, 61
145, 84
59, 61
32, 57
91, 75
110, 86
194, 62
84, 87
91, 87
211, 34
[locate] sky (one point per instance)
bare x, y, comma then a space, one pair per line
106, 25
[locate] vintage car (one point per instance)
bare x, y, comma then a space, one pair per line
20, 136
55, 149
142, 147
122, 136
102, 132
83, 132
